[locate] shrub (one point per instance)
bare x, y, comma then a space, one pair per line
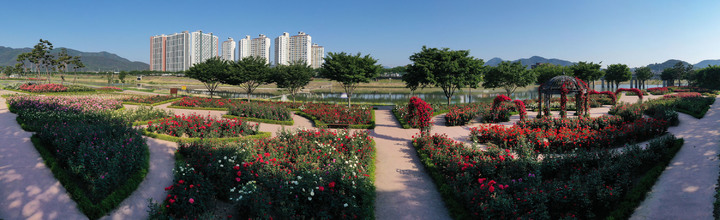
338, 114
261, 110
420, 114
43, 88
147, 99
195, 126
633, 90
206, 102
141, 113
658, 90
462, 114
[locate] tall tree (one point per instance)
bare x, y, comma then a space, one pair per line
249, 73
41, 57
708, 77
617, 73
293, 77
509, 76
448, 69
77, 64
349, 70
63, 60
23, 59
643, 74
588, 72
547, 71
121, 77
678, 72
211, 73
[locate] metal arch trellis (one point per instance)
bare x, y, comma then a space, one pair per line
557, 85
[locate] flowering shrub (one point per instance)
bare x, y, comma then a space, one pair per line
462, 114
338, 114
683, 95
43, 88
195, 126
262, 110
634, 90
658, 90
610, 94
689, 89
504, 184
304, 175
147, 99
206, 102
420, 114
499, 99
98, 150
521, 109
550, 135
109, 88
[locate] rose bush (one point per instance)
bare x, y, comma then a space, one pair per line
196, 126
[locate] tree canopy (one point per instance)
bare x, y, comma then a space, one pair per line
349, 70
509, 76
588, 72
211, 73
679, 71
293, 77
643, 74
249, 73
618, 73
448, 69
708, 77
547, 71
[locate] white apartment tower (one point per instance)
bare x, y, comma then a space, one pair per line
300, 48
282, 49
318, 56
228, 49
203, 47
179, 51
244, 47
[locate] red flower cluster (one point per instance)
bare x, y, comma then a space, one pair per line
206, 102
608, 93
521, 108
683, 95
420, 114
43, 88
109, 88
658, 90
634, 90
197, 126
339, 114
462, 114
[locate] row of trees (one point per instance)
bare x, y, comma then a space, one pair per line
41, 58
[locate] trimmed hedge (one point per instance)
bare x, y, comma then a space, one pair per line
260, 135
268, 121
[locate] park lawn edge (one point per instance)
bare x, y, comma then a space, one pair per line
261, 120
260, 135
87, 207
635, 196
152, 104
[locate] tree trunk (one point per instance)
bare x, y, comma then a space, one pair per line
349, 95
448, 98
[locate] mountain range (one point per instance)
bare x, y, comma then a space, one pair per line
94, 61
656, 67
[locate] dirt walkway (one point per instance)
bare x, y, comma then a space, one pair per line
686, 188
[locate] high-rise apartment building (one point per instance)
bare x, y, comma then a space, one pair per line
260, 47
294, 48
244, 47
318, 56
282, 49
179, 51
228, 49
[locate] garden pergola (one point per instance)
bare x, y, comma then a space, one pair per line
563, 85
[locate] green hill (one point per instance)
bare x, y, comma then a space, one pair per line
530, 61
94, 61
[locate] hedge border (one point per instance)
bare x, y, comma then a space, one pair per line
320, 124
87, 207
152, 104
268, 121
260, 135
199, 108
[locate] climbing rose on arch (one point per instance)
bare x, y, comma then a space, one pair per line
420, 113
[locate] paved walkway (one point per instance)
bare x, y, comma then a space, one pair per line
686, 188
404, 190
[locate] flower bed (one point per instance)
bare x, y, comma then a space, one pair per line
609, 94
261, 110
462, 114
98, 158
419, 114
195, 126
658, 90
690, 103
508, 184
151, 100
633, 90
330, 114
109, 88
43, 88
683, 95
551, 135
206, 102
304, 175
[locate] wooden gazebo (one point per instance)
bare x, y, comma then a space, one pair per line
563, 85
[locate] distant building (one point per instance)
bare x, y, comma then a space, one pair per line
318, 56
282, 49
301, 48
179, 51
244, 47
228, 49
256, 47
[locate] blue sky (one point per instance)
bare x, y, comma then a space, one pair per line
636, 33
